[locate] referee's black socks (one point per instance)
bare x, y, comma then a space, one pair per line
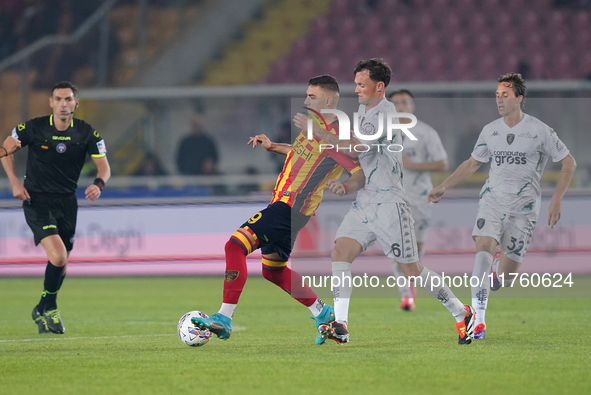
52, 283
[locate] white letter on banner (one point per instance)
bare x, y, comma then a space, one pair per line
402, 126
344, 124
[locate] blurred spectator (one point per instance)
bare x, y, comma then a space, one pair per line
84, 77
284, 137
371, 5
197, 153
245, 189
407, 4
572, 3
6, 42
565, 3
150, 166
37, 20
64, 28
524, 69
12, 8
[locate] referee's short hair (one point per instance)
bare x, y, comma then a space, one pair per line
327, 82
65, 85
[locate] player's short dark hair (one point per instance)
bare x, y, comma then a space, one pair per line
378, 70
327, 82
403, 92
65, 85
517, 84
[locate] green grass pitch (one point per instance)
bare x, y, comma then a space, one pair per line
121, 339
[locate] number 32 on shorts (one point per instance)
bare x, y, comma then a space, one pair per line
512, 247
255, 218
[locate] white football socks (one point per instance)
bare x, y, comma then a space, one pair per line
227, 310
435, 285
316, 307
342, 288
480, 292
399, 274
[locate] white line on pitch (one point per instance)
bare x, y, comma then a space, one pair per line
236, 328
80, 338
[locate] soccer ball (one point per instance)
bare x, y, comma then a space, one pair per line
190, 334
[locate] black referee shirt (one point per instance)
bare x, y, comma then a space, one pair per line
56, 158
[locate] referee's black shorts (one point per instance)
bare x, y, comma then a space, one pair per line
276, 228
52, 215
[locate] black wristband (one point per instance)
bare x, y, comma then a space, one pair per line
99, 183
5, 150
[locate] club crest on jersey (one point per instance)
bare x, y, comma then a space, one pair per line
510, 138
480, 223
61, 148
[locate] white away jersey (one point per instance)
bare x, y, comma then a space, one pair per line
427, 148
381, 166
519, 155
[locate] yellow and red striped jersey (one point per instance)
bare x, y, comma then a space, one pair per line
301, 184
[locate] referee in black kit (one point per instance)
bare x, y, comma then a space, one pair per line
58, 145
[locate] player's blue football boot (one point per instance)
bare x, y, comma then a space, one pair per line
218, 324
325, 316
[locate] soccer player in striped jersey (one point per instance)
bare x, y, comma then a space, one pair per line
296, 196
510, 200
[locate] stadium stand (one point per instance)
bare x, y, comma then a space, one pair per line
444, 41
247, 60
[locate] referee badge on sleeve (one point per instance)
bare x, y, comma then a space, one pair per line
102, 148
